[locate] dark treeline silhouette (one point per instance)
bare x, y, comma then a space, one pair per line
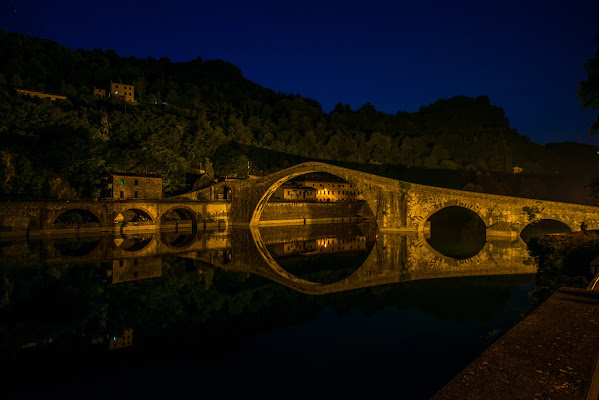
195, 120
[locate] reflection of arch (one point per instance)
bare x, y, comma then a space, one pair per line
176, 240
396, 258
454, 262
133, 215
457, 232
76, 216
181, 216
303, 170
227, 193
78, 248
134, 243
298, 283
543, 226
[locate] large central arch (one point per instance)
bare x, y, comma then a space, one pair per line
369, 186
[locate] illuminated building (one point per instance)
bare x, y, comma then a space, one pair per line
120, 185
99, 92
331, 190
124, 91
118, 342
321, 246
135, 269
290, 191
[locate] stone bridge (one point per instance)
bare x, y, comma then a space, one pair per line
400, 205
109, 216
394, 204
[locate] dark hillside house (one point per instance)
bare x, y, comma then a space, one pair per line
122, 185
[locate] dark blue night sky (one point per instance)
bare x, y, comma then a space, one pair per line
527, 56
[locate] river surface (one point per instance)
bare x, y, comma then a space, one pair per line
321, 311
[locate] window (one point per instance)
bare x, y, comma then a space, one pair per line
135, 194
122, 181
136, 182
121, 262
122, 194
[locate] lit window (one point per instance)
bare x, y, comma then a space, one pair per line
122, 181
116, 92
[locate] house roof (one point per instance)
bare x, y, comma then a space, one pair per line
133, 174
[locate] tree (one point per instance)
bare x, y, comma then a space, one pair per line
588, 90
16, 81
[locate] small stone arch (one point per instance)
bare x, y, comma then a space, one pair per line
543, 225
456, 232
75, 215
134, 214
454, 203
180, 213
304, 169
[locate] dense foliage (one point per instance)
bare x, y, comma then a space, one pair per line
562, 260
204, 117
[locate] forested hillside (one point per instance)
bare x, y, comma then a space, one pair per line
200, 119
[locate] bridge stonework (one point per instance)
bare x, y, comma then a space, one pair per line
501, 214
395, 205
385, 197
32, 216
400, 205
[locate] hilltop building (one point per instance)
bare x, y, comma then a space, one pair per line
99, 92
43, 95
117, 90
120, 186
123, 91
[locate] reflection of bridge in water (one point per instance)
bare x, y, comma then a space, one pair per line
392, 257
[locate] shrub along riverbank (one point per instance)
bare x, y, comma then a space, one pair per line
562, 260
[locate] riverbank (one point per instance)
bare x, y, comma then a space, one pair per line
552, 354
563, 259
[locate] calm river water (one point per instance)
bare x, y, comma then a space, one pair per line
321, 311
